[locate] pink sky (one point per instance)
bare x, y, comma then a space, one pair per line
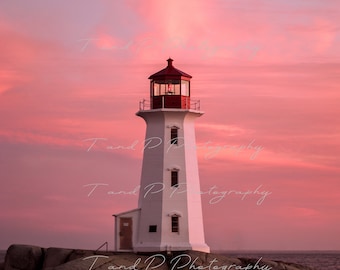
267, 74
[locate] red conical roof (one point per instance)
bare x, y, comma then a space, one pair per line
170, 72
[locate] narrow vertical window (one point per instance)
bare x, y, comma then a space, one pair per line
174, 224
174, 135
174, 178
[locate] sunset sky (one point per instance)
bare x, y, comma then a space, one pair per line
267, 74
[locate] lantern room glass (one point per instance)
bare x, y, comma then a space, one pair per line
185, 88
170, 87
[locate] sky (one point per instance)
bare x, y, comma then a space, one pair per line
267, 74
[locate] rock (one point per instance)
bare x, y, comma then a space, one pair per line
199, 260
78, 253
56, 256
23, 257
121, 261
196, 260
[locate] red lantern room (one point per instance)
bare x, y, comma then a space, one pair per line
170, 88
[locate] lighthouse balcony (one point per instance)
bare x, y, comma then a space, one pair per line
170, 102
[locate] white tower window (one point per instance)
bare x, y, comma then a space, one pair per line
175, 223
174, 178
153, 228
174, 135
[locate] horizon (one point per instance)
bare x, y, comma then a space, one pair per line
266, 75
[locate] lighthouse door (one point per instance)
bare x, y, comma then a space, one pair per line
125, 233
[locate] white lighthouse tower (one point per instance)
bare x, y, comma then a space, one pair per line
169, 214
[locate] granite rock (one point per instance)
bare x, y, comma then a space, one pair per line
122, 261
56, 256
23, 257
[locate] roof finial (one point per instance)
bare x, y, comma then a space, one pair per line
170, 62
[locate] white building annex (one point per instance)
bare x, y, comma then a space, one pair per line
169, 213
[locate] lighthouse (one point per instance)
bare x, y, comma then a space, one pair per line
169, 214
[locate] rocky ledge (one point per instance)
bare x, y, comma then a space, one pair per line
24, 257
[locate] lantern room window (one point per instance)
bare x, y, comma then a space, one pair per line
185, 88
170, 87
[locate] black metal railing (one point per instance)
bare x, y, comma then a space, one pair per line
191, 104
106, 245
